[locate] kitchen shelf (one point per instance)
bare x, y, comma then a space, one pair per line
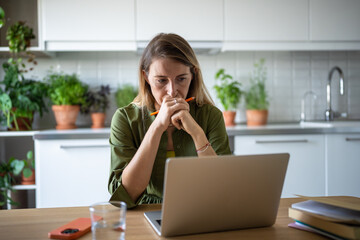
25, 187
17, 133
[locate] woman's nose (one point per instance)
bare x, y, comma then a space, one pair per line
172, 91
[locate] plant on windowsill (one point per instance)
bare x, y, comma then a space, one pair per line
125, 95
97, 102
256, 97
229, 93
67, 94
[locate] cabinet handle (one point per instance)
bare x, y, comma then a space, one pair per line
352, 139
83, 146
281, 141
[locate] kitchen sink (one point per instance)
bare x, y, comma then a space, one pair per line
326, 124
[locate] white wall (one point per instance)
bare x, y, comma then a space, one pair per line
290, 75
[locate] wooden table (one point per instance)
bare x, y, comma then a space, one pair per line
36, 223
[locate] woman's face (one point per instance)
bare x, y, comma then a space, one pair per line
168, 77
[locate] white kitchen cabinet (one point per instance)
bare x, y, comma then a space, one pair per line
263, 20
89, 25
306, 170
343, 164
194, 20
71, 172
334, 20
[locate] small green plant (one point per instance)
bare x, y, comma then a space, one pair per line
125, 95
24, 166
228, 91
256, 97
65, 89
19, 36
11, 168
97, 100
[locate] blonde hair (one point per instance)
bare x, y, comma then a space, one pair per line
172, 46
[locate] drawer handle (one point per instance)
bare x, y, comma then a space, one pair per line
352, 139
83, 146
281, 141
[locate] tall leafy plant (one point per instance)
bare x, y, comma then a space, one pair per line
257, 97
227, 90
20, 97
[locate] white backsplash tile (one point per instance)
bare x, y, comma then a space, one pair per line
289, 76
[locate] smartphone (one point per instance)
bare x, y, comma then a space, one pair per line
73, 229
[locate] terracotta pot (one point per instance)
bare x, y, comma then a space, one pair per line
65, 116
30, 180
256, 117
24, 124
229, 118
98, 120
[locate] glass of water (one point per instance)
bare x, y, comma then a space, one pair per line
108, 220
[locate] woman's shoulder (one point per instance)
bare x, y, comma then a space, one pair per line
131, 112
207, 109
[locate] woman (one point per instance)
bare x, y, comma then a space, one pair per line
140, 142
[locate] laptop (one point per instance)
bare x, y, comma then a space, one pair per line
219, 193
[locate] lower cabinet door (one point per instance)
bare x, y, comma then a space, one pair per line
343, 166
72, 172
306, 170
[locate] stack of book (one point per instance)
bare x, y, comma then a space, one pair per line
334, 217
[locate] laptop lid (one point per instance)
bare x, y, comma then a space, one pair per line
208, 194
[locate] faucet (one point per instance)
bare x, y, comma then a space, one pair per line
302, 116
329, 113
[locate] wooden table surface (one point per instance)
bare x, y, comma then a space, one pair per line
36, 223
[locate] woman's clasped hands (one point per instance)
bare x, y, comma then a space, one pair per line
174, 111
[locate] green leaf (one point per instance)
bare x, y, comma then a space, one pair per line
29, 155
27, 172
17, 166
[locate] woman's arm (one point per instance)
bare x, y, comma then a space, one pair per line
137, 173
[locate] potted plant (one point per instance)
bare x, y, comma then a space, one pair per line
229, 93
256, 97
67, 94
97, 103
125, 95
20, 98
26, 167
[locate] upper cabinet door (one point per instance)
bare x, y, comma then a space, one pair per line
264, 20
194, 20
83, 25
335, 20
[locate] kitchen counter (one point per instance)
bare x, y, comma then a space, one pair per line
297, 128
240, 129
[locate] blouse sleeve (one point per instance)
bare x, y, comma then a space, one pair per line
216, 131
123, 149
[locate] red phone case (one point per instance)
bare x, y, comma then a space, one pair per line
73, 229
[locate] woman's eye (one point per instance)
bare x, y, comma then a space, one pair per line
161, 81
181, 79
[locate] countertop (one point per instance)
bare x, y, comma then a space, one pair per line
346, 127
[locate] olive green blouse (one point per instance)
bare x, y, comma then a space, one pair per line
128, 127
